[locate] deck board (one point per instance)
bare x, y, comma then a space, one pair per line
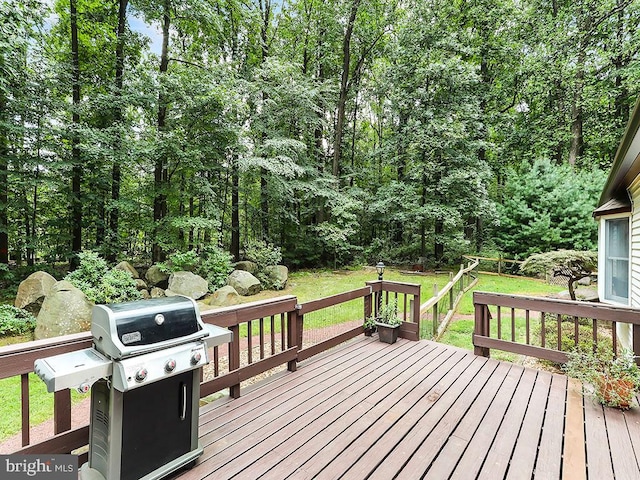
410, 410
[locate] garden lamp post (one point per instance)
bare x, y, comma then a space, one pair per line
380, 270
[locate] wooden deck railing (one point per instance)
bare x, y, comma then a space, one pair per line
266, 334
547, 328
438, 310
407, 297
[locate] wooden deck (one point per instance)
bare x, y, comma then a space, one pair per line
414, 410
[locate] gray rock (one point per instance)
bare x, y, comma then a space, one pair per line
141, 284
187, 283
145, 294
127, 267
224, 297
65, 310
244, 283
247, 266
156, 278
277, 275
157, 292
33, 290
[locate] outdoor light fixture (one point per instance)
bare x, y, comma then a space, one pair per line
380, 270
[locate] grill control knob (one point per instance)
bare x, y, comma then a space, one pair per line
195, 358
83, 388
170, 366
141, 375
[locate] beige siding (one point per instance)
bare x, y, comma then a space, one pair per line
634, 193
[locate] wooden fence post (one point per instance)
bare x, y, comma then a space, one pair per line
435, 312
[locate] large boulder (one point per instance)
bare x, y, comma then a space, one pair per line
247, 266
277, 276
224, 297
156, 277
65, 310
127, 267
33, 290
244, 283
187, 283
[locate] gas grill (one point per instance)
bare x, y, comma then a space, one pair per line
144, 375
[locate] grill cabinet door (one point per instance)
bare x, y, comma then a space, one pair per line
157, 422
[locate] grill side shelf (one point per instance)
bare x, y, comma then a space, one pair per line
79, 369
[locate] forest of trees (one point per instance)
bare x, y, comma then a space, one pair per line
339, 130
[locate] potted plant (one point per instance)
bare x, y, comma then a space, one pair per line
388, 322
615, 381
369, 326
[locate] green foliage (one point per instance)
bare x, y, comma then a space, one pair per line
388, 314
548, 207
100, 283
179, 262
15, 321
262, 253
606, 374
215, 266
570, 264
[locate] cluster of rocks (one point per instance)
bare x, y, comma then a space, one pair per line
60, 308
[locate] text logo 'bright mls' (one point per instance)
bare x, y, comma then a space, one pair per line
51, 467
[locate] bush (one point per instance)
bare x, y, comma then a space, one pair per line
262, 253
180, 262
215, 267
15, 321
100, 283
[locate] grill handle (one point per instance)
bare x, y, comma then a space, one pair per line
183, 408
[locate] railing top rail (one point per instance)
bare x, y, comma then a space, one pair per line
490, 259
237, 314
600, 311
395, 287
320, 303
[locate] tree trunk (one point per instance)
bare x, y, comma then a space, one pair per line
160, 170
344, 88
76, 181
235, 210
4, 178
114, 213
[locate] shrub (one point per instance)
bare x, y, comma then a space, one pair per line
100, 283
15, 321
262, 253
215, 266
179, 262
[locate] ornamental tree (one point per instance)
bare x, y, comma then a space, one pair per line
570, 264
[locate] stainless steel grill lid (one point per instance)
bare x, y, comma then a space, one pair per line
132, 328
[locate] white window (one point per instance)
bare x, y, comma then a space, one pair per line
616, 257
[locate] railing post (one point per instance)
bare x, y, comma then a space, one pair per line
234, 358
294, 335
636, 343
368, 306
61, 411
480, 328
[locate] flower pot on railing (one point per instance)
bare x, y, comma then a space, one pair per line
388, 333
388, 323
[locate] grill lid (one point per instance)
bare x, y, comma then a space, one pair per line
132, 328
